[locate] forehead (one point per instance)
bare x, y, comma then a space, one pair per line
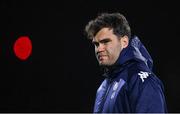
104, 33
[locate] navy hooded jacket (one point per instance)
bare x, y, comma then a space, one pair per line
130, 85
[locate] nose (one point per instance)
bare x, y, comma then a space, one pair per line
100, 48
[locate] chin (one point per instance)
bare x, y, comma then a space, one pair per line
105, 64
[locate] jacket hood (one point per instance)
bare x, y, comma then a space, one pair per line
136, 51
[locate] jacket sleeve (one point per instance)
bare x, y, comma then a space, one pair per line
146, 94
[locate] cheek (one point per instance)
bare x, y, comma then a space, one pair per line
115, 51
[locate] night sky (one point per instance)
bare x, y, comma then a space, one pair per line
62, 74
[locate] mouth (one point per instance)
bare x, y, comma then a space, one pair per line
101, 57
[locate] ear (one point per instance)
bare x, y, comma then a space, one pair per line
124, 41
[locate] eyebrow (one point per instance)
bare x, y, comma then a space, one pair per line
102, 41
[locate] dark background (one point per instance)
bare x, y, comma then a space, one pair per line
62, 74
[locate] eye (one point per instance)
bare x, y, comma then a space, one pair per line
105, 41
95, 44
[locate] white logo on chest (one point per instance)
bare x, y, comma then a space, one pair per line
117, 87
114, 89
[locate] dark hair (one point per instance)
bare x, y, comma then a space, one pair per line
115, 21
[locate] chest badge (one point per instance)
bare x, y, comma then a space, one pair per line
143, 75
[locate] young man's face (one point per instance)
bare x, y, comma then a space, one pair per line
108, 46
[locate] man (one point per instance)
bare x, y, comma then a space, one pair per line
129, 86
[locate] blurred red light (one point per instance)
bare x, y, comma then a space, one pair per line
23, 47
